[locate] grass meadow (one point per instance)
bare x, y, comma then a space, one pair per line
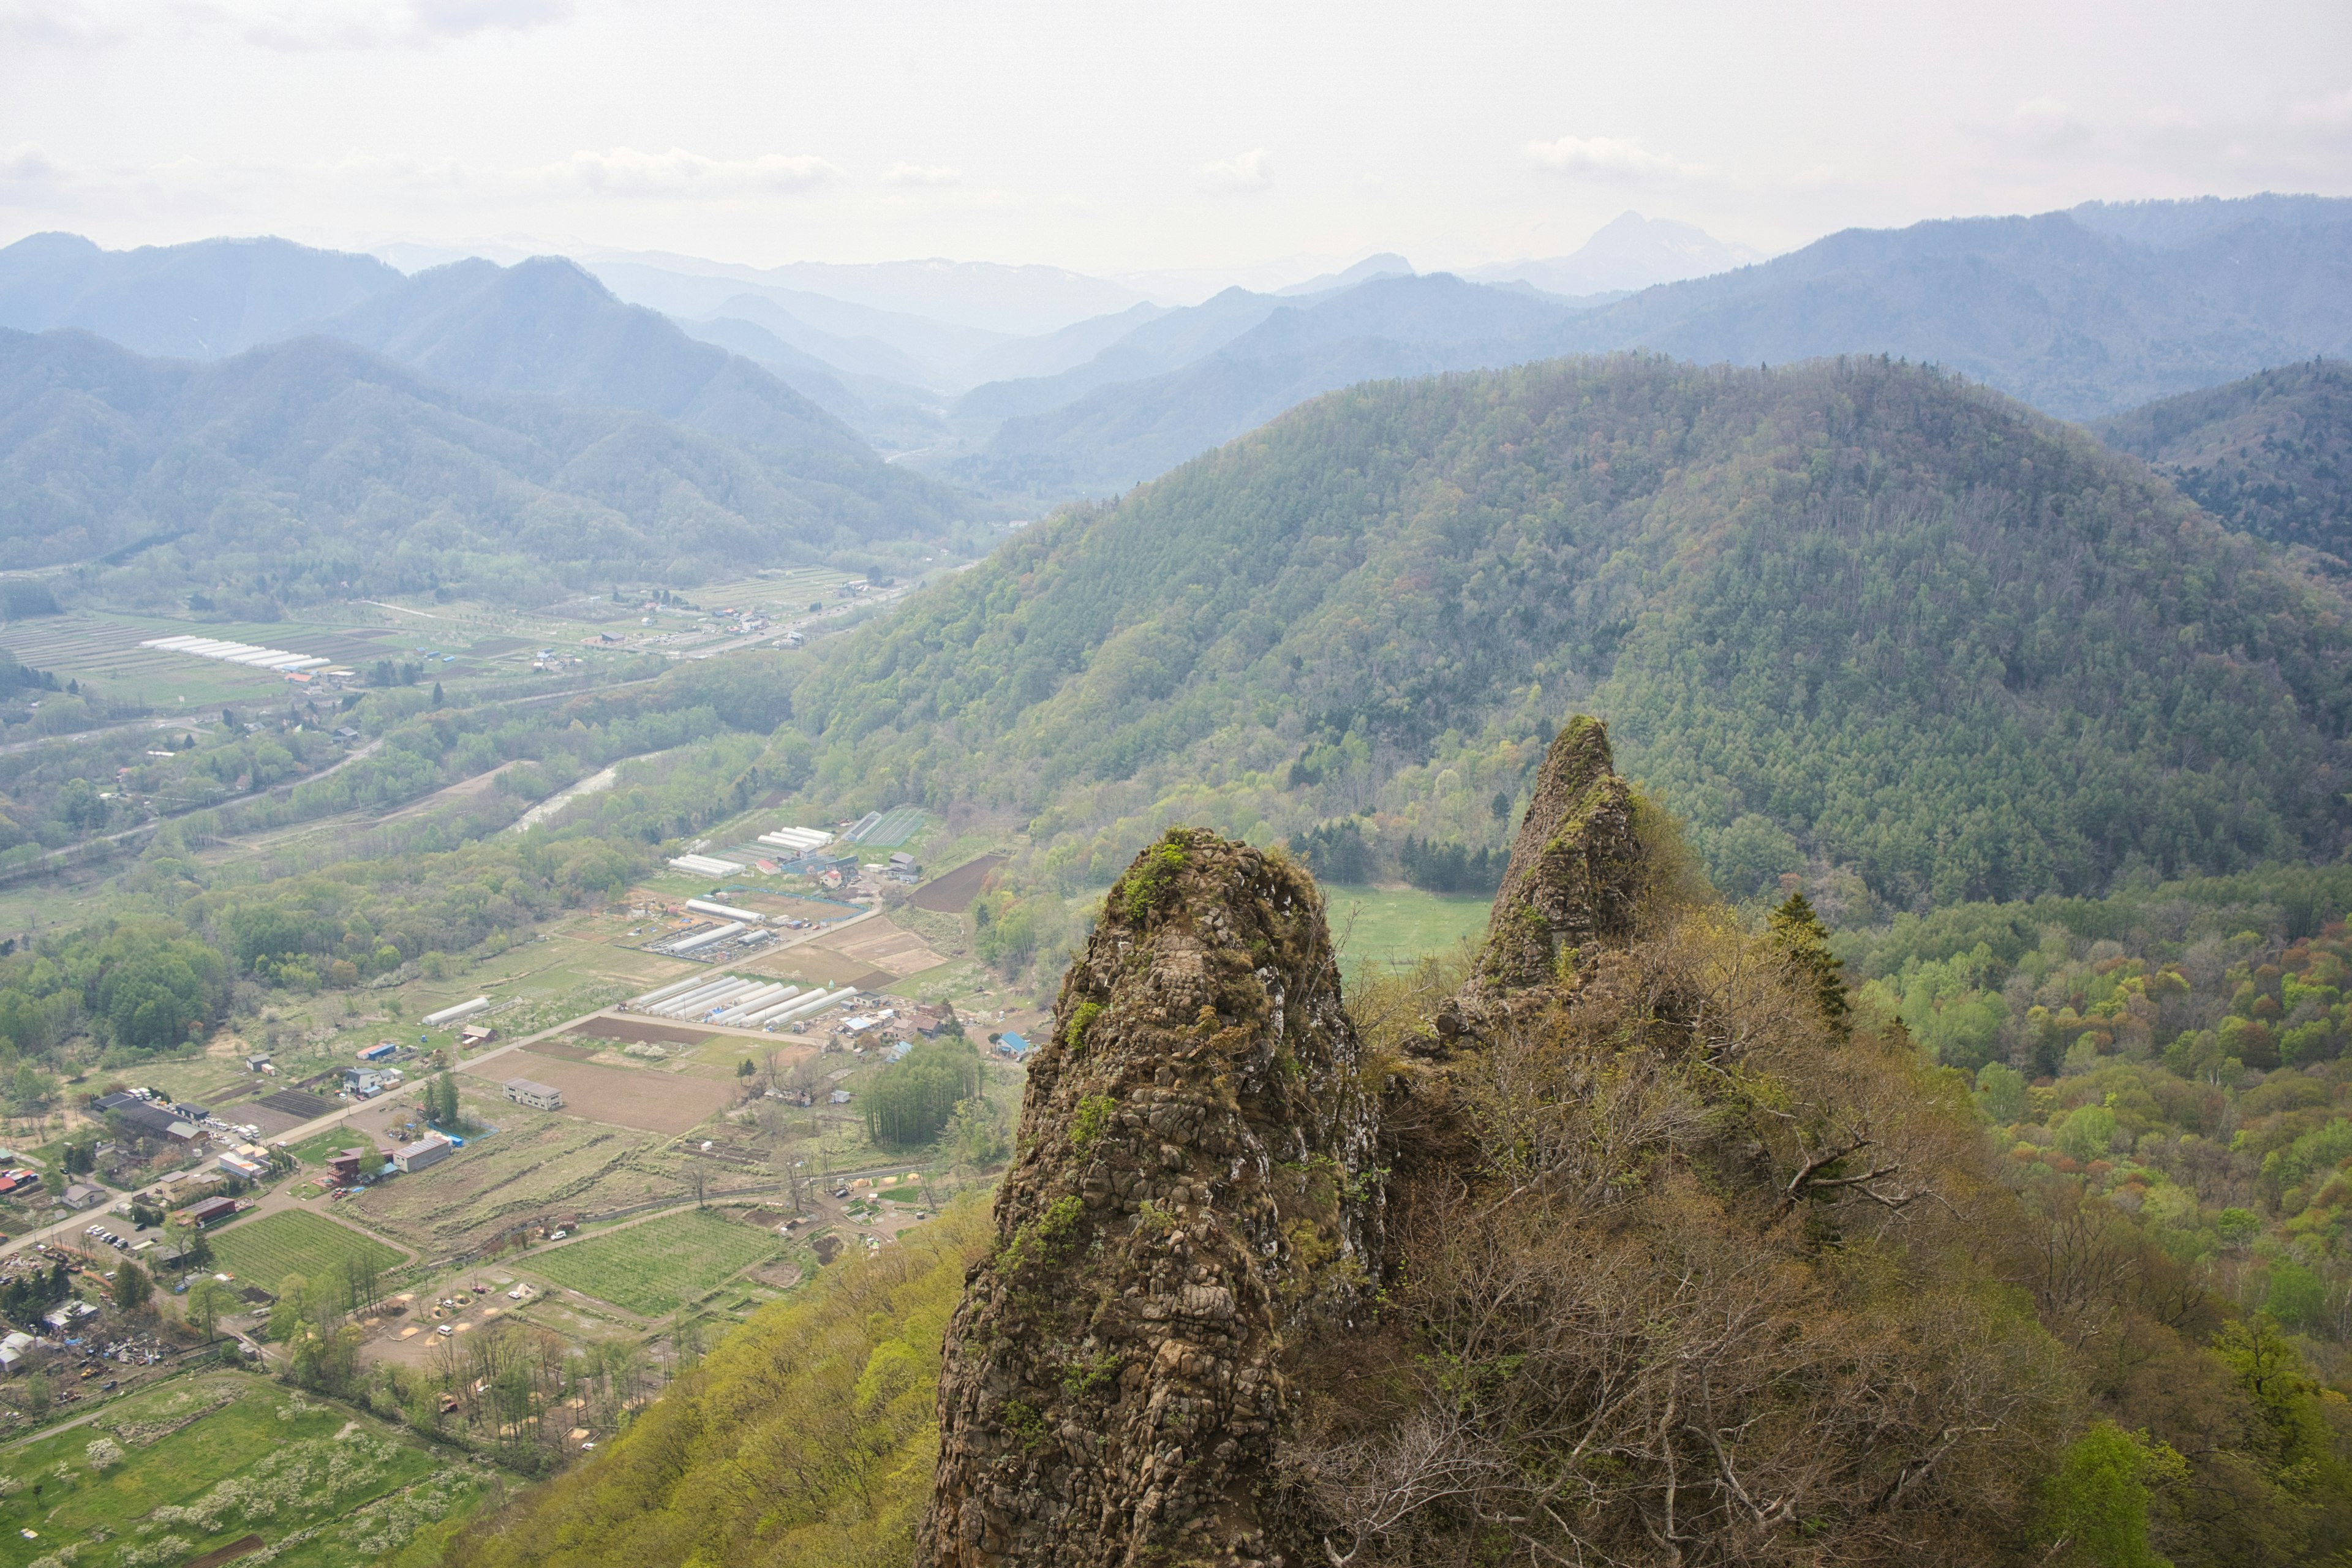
654, 1267
264, 1251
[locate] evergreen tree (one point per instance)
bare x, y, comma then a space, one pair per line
1801, 938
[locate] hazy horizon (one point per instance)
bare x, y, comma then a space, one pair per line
1124, 145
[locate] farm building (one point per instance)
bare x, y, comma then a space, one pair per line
476, 1034
1011, 1045
82, 1195
213, 1210
538, 1096
238, 1165
424, 1152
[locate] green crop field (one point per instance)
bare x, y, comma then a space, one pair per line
656, 1267
1399, 927
197, 1463
264, 1251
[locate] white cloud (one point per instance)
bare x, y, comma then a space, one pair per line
285, 25
2046, 125
625, 171
2333, 112
1607, 158
1241, 173
922, 174
25, 172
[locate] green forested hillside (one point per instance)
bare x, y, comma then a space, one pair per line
1856, 617
2271, 454
315, 470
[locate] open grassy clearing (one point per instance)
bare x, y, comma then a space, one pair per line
1401, 926
201, 1462
264, 1251
656, 1267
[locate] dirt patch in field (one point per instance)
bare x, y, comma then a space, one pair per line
952, 894
629, 1029
242, 1547
623, 1097
879, 944
295, 1102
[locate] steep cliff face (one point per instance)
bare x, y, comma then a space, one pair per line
1194, 1189
1574, 873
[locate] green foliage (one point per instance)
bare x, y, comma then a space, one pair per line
132, 1287
1153, 875
1336, 851
2095, 1510
1082, 1018
1804, 946
2270, 455
805, 1437
1091, 1121
1452, 866
911, 1100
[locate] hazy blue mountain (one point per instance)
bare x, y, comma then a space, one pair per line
1074, 346
202, 300
1169, 341
546, 327
991, 297
2082, 314
1119, 435
2270, 455
314, 468
892, 415
847, 336
1627, 253
1388, 264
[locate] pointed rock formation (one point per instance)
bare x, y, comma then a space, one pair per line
1574, 874
1194, 1186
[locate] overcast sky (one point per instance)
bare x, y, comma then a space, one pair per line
1114, 137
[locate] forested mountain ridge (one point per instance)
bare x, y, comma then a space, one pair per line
2270, 455
546, 327
205, 300
2080, 313
1854, 616
313, 469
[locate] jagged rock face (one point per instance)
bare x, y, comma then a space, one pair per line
1575, 869
1194, 1186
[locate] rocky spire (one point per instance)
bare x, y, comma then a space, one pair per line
1192, 1189
1574, 874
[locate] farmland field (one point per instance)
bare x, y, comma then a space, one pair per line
539, 1163
1400, 926
264, 1251
656, 1267
201, 1462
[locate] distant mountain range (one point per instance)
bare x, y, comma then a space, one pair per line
512, 429
2083, 313
1627, 252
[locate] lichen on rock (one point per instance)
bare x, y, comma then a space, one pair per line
1193, 1188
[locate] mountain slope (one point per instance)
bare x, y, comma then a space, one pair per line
1856, 614
2271, 454
214, 298
1120, 435
2080, 314
546, 327
314, 468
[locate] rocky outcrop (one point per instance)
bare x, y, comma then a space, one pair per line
1193, 1189
1574, 874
